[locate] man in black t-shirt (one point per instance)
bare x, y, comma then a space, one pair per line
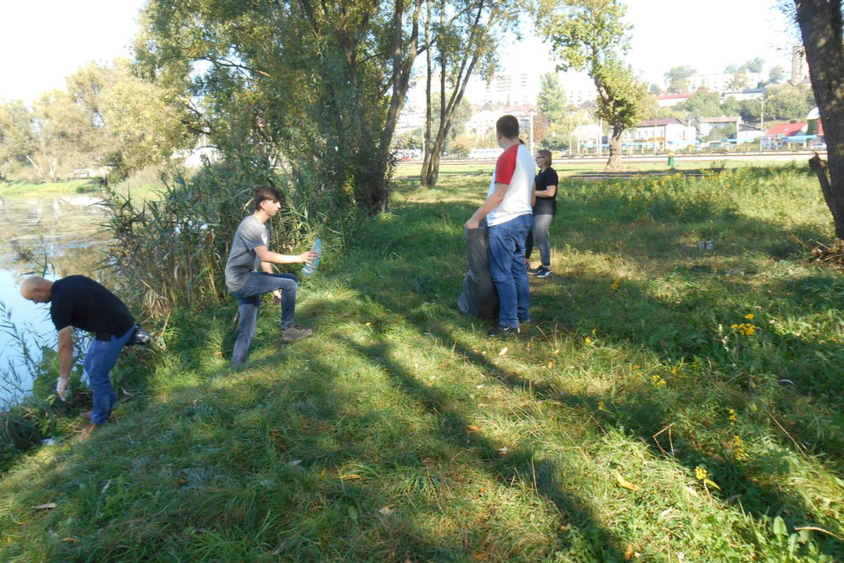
77, 301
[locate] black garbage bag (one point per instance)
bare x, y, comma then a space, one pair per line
479, 296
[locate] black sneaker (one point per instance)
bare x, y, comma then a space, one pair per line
294, 333
533, 271
501, 330
542, 272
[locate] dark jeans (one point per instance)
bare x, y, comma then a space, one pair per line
541, 224
249, 297
98, 362
508, 271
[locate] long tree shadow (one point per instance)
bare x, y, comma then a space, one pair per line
644, 413
453, 427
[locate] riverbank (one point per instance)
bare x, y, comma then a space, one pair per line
669, 398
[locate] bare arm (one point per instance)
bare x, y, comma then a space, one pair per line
533, 195
549, 191
266, 256
493, 201
65, 360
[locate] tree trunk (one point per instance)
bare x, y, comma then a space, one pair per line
820, 24
615, 164
470, 57
426, 144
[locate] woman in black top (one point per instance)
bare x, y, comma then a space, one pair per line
544, 210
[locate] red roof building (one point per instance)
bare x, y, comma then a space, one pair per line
787, 129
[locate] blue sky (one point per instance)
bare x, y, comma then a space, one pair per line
43, 41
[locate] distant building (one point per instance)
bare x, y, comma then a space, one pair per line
745, 94
705, 125
787, 134
670, 100
517, 88
410, 119
712, 82
666, 133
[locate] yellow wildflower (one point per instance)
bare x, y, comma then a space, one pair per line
746, 329
749, 316
701, 473
614, 285
739, 453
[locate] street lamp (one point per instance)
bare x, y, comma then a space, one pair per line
762, 113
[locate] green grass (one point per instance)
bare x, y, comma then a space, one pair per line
631, 420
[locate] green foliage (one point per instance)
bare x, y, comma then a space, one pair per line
172, 248
16, 139
591, 36
678, 78
552, 99
776, 74
785, 101
739, 81
316, 88
703, 104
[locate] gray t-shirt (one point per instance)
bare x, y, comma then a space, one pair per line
242, 259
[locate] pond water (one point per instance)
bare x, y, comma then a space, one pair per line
57, 235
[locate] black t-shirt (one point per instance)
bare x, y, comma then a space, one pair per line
83, 303
546, 205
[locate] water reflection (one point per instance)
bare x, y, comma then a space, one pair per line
63, 235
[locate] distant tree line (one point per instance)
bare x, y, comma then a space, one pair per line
107, 117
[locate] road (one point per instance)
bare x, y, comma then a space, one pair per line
663, 158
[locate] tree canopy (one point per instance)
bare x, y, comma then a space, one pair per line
678, 78
552, 98
591, 36
317, 86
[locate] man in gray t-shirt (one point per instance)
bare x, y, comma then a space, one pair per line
250, 248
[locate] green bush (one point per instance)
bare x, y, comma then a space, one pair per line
171, 250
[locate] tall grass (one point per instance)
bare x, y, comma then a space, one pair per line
173, 247
669, 402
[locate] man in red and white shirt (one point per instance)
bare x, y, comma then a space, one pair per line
509, 217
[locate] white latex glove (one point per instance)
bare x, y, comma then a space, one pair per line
61, 388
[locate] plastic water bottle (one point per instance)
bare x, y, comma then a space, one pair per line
310, 268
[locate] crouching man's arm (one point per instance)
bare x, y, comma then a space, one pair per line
269, 258
65, 360
266, 256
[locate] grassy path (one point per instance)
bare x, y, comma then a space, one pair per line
668, 403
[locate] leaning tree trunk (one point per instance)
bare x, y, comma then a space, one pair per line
820, 24
615, 163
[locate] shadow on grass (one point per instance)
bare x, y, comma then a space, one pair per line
453, 427
678, 332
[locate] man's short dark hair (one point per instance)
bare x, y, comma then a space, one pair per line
264, 193
508, 126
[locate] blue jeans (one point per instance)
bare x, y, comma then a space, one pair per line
249, 297
508, 271
98, 362
541, 224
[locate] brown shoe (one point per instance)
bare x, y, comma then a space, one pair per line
86, 433
86, 415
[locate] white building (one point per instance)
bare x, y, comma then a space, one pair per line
705, 125
666, 133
